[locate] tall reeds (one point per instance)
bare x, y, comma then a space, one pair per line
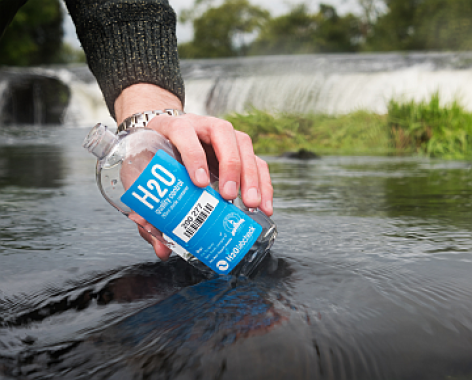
424, 128
431, 129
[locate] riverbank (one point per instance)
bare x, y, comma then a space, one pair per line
409, 128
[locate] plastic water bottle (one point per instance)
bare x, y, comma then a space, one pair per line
140, 172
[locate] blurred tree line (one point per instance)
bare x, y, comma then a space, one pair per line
35, 36
238, 28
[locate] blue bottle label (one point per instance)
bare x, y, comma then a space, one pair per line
200, 220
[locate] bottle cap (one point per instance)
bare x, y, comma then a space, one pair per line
99, 141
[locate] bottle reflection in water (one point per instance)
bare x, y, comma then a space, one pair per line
121, 160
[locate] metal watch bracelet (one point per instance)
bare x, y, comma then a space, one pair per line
140, 120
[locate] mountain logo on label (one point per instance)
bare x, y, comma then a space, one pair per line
232, 223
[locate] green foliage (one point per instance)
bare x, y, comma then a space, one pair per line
219, 31
445, 25
395, 29
300, 32
431, 129
401, 25
70, 54
360, 132
423, 25
34, 36
424, 128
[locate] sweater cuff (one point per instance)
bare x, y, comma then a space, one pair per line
128, 43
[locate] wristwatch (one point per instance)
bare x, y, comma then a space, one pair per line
140, 120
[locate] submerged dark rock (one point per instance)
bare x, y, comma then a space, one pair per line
29, 97
302, 154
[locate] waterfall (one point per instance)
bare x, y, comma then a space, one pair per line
52, 95
331, 84
3, 96
331, 93
86, 106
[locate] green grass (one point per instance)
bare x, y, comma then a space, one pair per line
424, 128
431, 129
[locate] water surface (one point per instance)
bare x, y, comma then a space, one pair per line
370, 277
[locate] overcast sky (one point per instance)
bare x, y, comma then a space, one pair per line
276, 7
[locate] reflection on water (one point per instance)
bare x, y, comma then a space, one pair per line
31, 166
369, 279
28, 173
377, 186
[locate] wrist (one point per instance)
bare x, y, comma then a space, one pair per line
143, 97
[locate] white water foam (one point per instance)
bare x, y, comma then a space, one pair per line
331, 84
87, 106
336, 93
3, 89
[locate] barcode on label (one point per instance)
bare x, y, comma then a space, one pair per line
196, 217
189, 232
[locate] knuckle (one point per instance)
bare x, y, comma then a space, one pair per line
267, 190
195, 153
177, 127
226, 125
262, 164
233, 163
161, 124
245, 138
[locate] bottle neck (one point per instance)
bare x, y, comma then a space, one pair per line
100, 141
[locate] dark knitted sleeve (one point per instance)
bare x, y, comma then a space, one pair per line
128, 42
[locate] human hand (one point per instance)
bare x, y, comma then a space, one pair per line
200, 139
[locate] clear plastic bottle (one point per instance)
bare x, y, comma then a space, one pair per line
122, 158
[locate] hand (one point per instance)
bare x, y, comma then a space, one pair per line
201, 139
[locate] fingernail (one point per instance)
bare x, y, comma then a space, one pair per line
231, 189
201, 176
252, 195
268, 205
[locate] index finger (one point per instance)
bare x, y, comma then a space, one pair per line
181, 132
222, 138
152, 235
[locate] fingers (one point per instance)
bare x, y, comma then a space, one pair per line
238, 165
250, 189
181, 132
267, 191
187, 133
193, 155
150, 233
223, 140
162, 251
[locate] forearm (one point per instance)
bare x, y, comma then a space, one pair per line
129, 42
144, 97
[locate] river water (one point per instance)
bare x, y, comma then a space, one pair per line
371, 277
